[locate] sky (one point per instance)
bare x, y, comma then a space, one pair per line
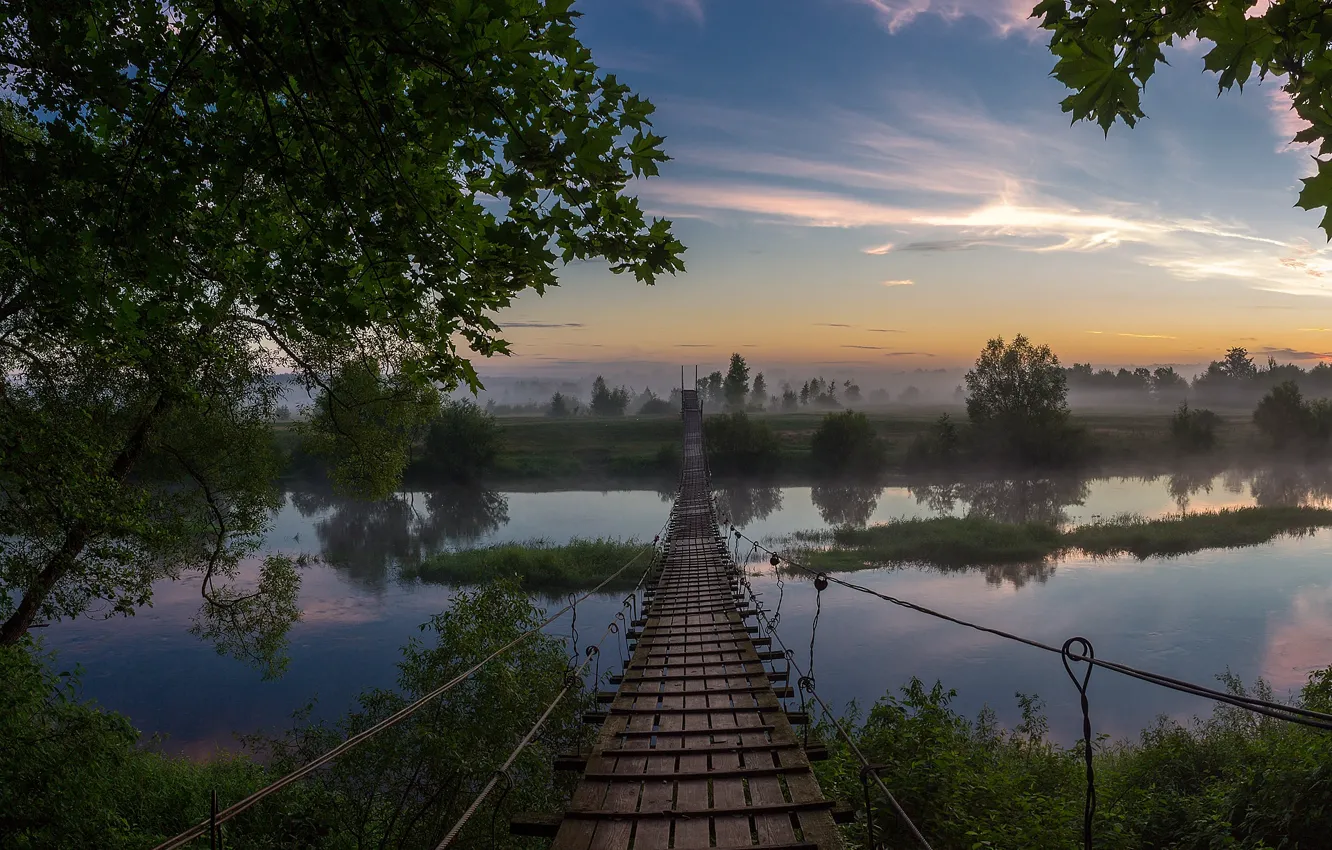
871, 185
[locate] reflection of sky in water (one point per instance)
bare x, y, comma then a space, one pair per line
1261, 611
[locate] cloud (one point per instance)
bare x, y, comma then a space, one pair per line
1146, 336
907, 354
879, 250
690, 8
831, 325
886, 331
543, 324
937, 245
1095, 332
1285, 120
1293, 354
1005, 16
898, 283
1316, 330
867, 347
692, 345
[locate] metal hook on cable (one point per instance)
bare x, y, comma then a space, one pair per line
1087, 655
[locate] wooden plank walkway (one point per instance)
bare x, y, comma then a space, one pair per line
696, 751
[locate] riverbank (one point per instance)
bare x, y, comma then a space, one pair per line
584, 451
974, 540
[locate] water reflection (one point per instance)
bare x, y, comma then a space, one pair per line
741, 502
366, 540
1007, 499
1291, 485
846, 504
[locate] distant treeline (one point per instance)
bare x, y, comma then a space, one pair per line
1233, 381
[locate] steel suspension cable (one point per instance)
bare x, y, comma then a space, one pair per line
807, 684
1279, 711
237, 808
571, 679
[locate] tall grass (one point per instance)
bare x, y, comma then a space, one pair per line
540, 564
964, 541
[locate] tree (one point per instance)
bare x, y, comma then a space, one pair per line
847, 442
1168, 385
654, 406
559, 406
735, 388
461, 442
1017, 400
790, 400
737, 444
713, 387
607, 401
852, 392
1108, 51
1193, 430
804, 393
206, 194
1283, 415
760, 391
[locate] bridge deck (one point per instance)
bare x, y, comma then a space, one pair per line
696, 750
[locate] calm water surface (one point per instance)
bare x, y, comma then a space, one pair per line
1263, 611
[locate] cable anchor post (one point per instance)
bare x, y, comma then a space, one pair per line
1086, 654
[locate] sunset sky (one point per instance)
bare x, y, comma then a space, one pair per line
884, 184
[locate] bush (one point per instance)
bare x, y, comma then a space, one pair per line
1193, 430
655, 407
738, 444
846, 442
461, 443
939, 446
1233, 780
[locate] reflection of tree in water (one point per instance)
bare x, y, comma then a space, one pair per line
742, 503
1291, 485
1006, 500
845, 504
365, 539
1184, 484
460, 515
1016, 574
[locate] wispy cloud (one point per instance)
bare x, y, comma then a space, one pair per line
907, 354
940, 245
1295, 354
1094, 332
898, 283
1005, 16
879, 250
543, 324
691, 8
1147, 336
868, 347
1317, 330
886, 331
831, 325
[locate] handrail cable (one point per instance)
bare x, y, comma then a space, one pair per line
1289, 713
234, 809
807, 684
571, 679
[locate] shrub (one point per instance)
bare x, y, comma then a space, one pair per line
846, 442
1193, 430
655, 407
939, 446
738, 444
461, 443
1283, 416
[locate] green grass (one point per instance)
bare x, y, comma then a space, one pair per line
539, 564
966, 541
1225, 529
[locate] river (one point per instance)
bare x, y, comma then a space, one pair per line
1261, 611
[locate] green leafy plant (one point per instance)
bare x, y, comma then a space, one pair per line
1107, 52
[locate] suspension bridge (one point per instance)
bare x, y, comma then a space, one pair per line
695, 749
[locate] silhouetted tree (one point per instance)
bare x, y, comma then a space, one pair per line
559, 406
607, 401
735, 388
1017, 401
